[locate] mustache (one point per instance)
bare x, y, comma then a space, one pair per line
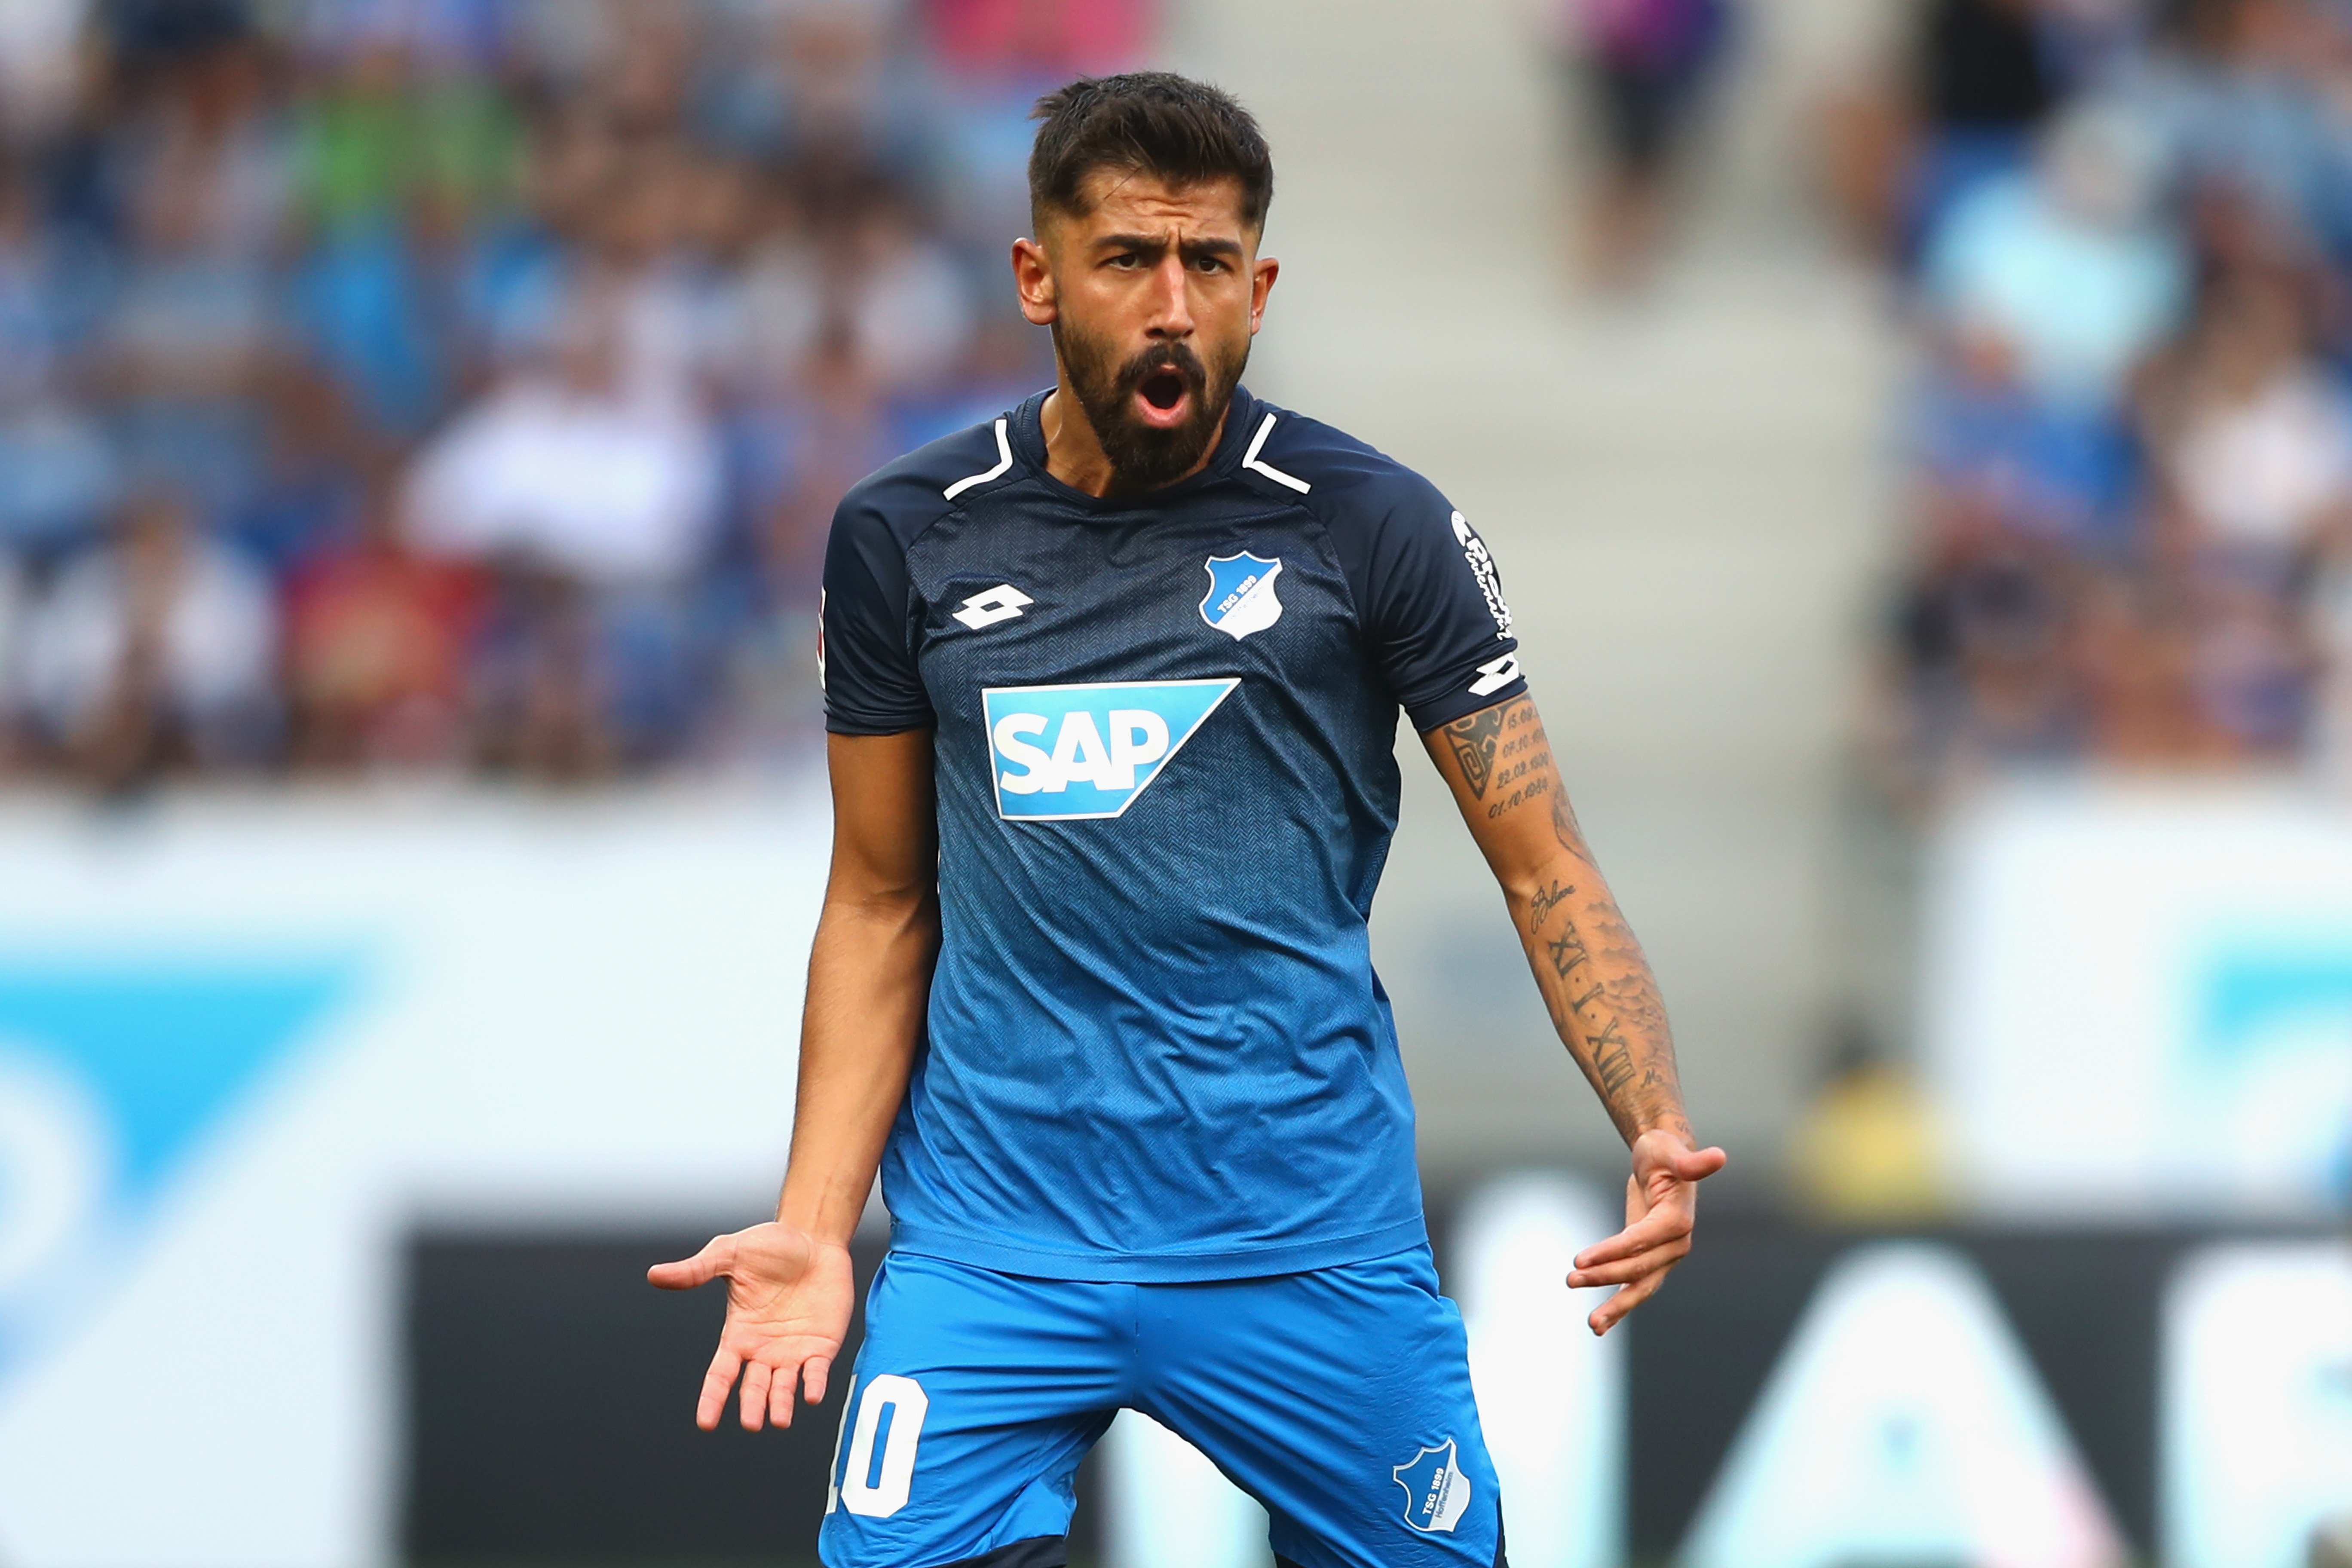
1177, 357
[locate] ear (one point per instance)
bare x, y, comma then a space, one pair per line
1263, 272
1033, 279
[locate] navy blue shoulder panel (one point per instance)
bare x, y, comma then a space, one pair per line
1426, 587
866, 612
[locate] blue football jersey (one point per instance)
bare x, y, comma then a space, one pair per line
1165, 733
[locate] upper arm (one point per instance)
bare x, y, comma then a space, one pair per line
865, 652
878, 752
1498, 762
1430, 599
885, 826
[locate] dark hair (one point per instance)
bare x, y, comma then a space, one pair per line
1146, 122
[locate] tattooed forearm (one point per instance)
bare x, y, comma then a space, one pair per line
1613, 1058
1567, 951
1547, 899
1605, 1004
1566, 829
1595, 981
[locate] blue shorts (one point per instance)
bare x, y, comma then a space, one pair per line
1339, 1398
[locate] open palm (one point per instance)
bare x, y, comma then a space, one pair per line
788, 1304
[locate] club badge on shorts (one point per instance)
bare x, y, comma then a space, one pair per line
1436, 1491
1241, 594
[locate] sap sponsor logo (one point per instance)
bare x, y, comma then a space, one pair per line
1240, 599
1062, 753
1436, 1491
1482, 566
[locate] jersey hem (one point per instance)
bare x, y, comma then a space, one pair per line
1158, 1268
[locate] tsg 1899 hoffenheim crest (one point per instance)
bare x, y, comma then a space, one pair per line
1241, 595
1436, 1491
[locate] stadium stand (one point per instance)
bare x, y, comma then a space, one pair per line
2125, 234
465, 386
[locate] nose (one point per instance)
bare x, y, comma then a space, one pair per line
1172, 300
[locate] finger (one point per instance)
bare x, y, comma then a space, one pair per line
716, 1384
718, 1255
1664, 1223
814, 1371
1626, 1270
780, 1396
755, 1395
1612, 1312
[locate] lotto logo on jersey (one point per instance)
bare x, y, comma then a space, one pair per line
1065, 753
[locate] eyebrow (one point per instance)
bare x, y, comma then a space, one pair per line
1156, 244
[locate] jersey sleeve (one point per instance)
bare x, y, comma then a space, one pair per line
1432, 602
865, 657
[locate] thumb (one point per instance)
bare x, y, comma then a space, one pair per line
1697, 1165
718, 1254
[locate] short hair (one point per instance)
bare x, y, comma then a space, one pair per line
1145, 122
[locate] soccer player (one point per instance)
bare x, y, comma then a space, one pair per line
1112, 683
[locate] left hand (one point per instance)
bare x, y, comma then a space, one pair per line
1661, 1208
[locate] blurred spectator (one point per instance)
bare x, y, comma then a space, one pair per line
1040, 41
2064, 263
591, 467
40, 44
186, 340
377, 639
1642, 64
2257, 440
1867, 1151
593, 484
1962, 106
154, 653
1981, 438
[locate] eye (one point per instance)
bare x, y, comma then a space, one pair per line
1126, 260
1209, 263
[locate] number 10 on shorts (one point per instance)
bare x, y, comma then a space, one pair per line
858, 1487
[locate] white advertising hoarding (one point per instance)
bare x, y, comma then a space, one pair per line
2137, 1001
245, 1045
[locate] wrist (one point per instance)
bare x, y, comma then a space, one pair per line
1674, 1123
827, 1219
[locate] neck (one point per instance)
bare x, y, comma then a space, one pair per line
1074, 454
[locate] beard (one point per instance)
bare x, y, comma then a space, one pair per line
1143, 457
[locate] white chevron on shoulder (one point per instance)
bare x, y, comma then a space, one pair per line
1257, 445
1004, 462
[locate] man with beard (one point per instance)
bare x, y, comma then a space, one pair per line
1112, 683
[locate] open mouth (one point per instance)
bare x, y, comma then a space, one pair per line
1163, 394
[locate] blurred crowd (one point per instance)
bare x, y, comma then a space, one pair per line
466, 385
2124, 229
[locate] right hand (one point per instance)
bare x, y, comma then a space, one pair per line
788, 1302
